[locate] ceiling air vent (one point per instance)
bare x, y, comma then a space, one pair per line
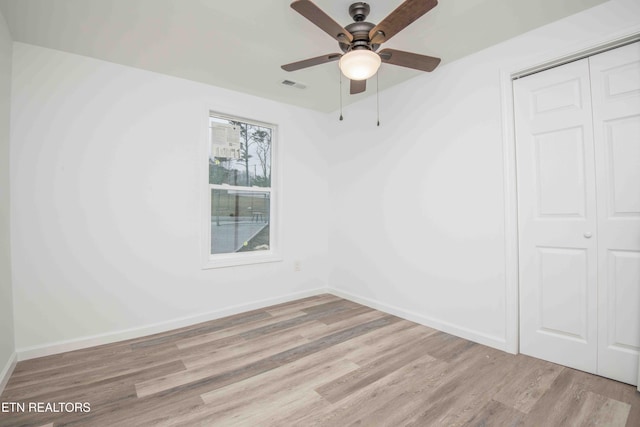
294, 84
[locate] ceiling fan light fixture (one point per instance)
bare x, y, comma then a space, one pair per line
360, 64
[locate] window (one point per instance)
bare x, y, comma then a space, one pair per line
241, 223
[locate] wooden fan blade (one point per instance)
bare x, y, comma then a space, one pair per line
311, 62
409, 60
358, 86
314, 14
400, 18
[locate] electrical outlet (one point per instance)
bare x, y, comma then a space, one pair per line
297, 265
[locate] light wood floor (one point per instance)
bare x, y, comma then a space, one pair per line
316, 361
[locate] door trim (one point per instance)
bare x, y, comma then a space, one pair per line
507, 75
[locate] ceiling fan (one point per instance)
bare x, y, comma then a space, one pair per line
360, 40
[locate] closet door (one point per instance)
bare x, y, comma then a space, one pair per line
615, 83
557, 216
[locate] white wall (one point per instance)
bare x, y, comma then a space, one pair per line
418, 225
106, 202
105, 195
7, 345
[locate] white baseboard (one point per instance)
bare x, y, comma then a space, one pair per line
469, 334
7, 370
111, 337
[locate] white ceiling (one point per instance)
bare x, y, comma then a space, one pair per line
240, 45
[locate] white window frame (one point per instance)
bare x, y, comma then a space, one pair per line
273, 254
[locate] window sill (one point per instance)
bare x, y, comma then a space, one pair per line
233, 260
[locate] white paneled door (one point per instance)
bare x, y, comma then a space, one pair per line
578, 171
615, 89
557, 216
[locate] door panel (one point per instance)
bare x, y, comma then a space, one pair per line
622, 152
615, 83
560, 173
557, 216
565, 95
624, 293
562, 294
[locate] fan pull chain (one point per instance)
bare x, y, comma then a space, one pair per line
340, 73
378, 96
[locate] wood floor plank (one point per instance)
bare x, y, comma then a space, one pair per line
164, 416
213, 366
57, 361
216, 381
371, 372
327, 308
203, 355
138, 371
302, 373
495, 413
406, 332
318, 361
204, 328
614, 390
570, 402
597, 410
232, 334
345, 315
340, 352
315, 313
447, 347
299, 305
320, 329
112, 392
87, 373
147, 404
205, 379
271, 411
252, 399
453, 397
407, 382
468, 389
139, 411
529, 379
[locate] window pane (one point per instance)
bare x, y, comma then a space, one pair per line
240, 153
239, 221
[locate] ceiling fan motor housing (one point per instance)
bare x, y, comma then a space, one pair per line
359, 29
360, 33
